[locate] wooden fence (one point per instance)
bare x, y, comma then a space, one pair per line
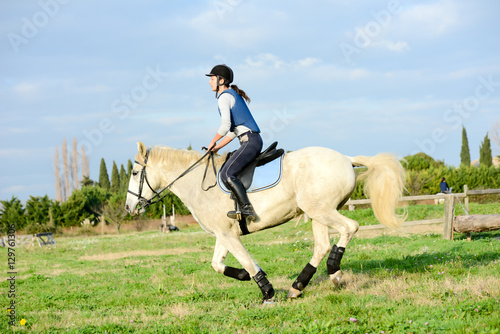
450, 200
28, 240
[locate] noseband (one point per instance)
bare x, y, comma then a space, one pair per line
144, 202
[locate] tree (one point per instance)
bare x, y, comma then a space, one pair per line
66, 172
421, 161
39, 215
66, 187
114, 210
12, 212
103, 176
74, 164
115, 179
124, 180
57, 176
464, 153
86, 181
84, 203
485, 158
37, 209
495, 135
130, 166
85, 164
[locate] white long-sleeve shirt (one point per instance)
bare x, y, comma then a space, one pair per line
226, 102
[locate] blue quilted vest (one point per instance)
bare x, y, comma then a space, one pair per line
240, 114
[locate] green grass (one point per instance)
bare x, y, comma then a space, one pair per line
153, 283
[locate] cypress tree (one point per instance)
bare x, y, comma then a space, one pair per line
103, 176
123, 179
485, 157
465, 153
115, 178
130, 166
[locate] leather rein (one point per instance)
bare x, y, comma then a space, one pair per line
158, 196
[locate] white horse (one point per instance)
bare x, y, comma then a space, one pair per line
316, 181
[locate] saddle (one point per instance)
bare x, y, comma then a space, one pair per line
266, 156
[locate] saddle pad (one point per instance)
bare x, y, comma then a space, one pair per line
265, 177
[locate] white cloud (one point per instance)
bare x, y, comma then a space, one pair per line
27, 90
332, 72
397, 47
241, 25
430, 19
17, 130
307, 62
25, 154
77, 119
178, 120
265, 60
468, 72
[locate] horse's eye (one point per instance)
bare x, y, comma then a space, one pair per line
134, 173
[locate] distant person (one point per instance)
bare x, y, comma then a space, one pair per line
444, 186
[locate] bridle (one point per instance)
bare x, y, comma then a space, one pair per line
144, 202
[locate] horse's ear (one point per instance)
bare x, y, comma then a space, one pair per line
142, 149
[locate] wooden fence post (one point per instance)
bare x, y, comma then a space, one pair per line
449, 215
466, 200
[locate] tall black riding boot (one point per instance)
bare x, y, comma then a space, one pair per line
240, 193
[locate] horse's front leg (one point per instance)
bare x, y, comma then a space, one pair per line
220, 253
233, 244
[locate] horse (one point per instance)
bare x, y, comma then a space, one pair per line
316, 181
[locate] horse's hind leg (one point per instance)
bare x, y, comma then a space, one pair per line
347, 228
321, 249
321, 225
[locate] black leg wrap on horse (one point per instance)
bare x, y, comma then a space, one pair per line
239, 274
264, 285
333, 262
304, 277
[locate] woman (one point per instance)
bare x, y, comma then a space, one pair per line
236, 121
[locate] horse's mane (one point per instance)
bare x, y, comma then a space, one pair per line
167, 155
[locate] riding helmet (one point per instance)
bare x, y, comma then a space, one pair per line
222, 71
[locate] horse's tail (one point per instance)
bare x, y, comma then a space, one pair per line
384, 185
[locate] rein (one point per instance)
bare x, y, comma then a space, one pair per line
144, 202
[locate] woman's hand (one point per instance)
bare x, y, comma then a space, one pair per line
211, 146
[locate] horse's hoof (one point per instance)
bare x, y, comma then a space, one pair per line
268, 302
294, 293
335, 278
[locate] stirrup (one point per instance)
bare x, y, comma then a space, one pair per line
234, 215
249, 213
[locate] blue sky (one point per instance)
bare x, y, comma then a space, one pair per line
355, 76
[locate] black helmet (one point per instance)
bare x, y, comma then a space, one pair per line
222, 71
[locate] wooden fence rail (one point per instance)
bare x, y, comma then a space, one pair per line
448, 214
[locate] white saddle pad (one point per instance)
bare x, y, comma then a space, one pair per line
265, 177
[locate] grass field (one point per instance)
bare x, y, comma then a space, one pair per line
163, 283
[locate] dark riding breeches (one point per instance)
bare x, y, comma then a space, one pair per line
250, 147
